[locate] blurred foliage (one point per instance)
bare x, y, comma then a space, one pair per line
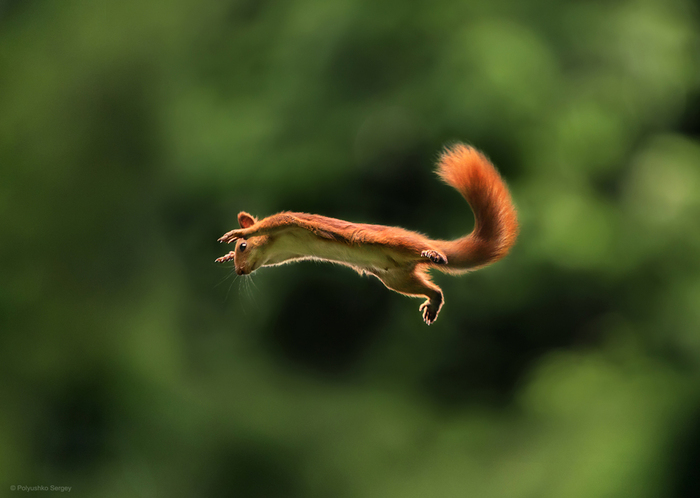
131, 134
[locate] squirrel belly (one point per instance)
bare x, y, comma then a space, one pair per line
398, 257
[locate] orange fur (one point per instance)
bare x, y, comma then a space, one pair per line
496, 226
399, 258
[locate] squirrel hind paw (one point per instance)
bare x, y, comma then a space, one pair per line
434, 256
429, 312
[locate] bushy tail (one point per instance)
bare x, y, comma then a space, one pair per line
496, 225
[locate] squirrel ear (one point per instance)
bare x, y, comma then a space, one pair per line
245, 220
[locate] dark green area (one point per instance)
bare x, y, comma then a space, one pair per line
132, 133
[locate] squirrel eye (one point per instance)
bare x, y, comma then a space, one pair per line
242, 246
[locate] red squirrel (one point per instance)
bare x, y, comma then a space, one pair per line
399, 258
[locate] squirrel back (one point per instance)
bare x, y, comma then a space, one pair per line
496, 223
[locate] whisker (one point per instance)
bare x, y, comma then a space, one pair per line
232, 273
241, 290
252, 281
246, 279
231, 285
251, 287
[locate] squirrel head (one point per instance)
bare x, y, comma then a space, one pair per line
248, 253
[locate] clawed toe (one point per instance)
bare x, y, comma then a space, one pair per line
229, 237
429, 313
435, 257
225, 258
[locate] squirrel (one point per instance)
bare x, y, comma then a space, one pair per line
399, 258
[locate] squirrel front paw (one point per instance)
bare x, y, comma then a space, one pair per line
435, 257
429, 312
231, 236
225, 258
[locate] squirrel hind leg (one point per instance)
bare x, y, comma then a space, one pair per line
417, 283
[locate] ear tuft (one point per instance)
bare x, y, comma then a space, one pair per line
245, 220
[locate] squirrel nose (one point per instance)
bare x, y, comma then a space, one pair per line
239, 271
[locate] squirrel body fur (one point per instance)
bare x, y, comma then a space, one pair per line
399, 258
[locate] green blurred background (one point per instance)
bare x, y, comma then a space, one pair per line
132, 133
